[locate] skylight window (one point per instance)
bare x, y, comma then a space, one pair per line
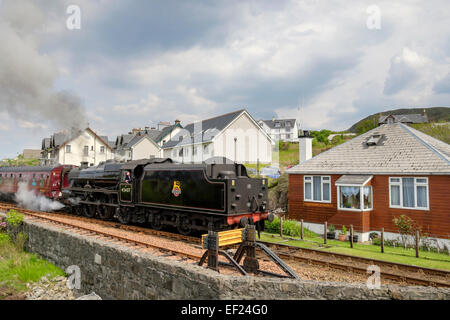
374, 139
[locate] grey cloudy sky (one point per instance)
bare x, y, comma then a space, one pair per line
135, 63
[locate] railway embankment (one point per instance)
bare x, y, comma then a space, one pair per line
116, 270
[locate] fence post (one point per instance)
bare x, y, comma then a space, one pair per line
351, 236
417, 243
382, 240
301, 229
325, 228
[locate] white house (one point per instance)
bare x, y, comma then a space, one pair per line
81, 147
136, 147
145, 143
236, 136
281, 129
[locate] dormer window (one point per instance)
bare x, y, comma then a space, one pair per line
277, 124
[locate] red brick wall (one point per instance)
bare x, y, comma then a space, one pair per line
436, 221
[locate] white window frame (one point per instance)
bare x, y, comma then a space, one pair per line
312, 188
361, 198
416, 184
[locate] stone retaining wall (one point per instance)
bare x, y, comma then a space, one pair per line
114, 271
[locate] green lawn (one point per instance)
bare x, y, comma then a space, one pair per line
17, 268
391, 254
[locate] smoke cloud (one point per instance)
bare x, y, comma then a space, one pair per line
27, 77
31, 201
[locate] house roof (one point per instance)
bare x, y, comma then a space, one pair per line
271, 123
130, 140
165, 132
60, 139
209, 129
400, 150
405, 118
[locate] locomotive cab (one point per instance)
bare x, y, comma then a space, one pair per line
126, 185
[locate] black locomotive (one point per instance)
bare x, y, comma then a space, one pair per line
215, 195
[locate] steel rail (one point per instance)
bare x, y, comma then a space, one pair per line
148, 231
113, 236
294, 253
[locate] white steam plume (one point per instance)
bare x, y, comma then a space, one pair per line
27, 77
29, 200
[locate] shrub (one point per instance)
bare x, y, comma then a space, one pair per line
290, 228
274, 226
14, 218
331, 228
344, 230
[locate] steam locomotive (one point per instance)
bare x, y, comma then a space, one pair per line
215, 195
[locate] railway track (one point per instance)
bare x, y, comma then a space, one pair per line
388, 270
143, 230
74, 222
394, 271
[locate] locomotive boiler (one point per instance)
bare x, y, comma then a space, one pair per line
215, 195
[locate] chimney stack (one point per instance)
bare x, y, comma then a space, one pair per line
305, 146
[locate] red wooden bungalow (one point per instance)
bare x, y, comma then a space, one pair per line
389, 171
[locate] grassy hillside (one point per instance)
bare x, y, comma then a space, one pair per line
19, 162
436, 114
436, 130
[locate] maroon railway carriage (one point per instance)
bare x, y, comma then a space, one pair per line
47, 181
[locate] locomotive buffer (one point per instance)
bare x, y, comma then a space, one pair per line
248, 245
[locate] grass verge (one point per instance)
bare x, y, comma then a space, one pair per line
17, 267
392, 254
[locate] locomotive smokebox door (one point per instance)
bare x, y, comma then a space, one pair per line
126, 186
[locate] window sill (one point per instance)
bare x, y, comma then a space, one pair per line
408, 208
317, 203
354, 210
